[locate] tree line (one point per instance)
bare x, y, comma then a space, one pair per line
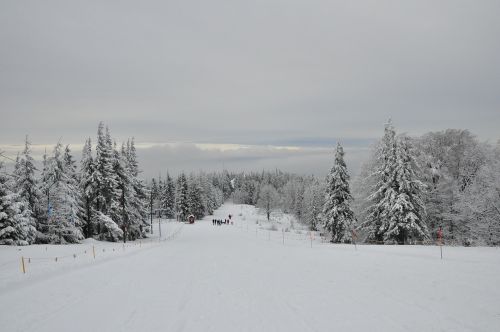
103, 197
407, 189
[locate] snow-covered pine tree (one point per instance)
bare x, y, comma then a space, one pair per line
338, 218
383, 191
17, 226
25, 179
404, 219
87, 186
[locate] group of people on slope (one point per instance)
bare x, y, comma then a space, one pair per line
218, 222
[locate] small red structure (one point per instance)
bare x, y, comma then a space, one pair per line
191, 219
440, 235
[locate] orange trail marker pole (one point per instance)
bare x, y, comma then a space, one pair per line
23, 266
93, 251
354, 238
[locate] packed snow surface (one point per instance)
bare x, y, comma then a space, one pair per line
245, 277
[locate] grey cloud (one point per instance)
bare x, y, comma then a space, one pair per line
188, 158
158, 159
247, 72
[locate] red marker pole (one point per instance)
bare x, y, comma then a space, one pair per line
354, 238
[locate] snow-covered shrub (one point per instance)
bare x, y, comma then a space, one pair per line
273, 227
58, 232
109, 230
136, 232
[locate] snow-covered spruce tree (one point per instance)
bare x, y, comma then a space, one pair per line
70, 164
383, 192
225, 184
25, 179
403, 219
168, 197
181, 198
299, 201
289, 194
72, 179
104, 176
154, 197
61, 224
161, 190
139, 197
132, 157
338, 218
313, 204
87, 187
121, 212
210, 200
17, 226
195, 198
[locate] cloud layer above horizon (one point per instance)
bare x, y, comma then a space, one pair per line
247, 73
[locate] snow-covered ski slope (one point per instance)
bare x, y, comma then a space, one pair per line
232, 278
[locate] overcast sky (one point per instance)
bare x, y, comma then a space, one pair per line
243, 79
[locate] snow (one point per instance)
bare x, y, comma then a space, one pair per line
242, 277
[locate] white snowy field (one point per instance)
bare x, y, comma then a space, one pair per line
242, 277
